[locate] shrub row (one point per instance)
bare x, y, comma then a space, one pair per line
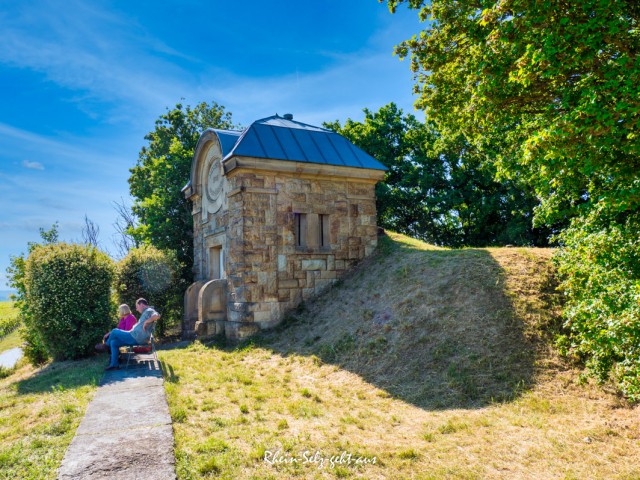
72, 293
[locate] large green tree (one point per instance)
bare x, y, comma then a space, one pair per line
437, 189
411, 198
551, 90
555, 85
162, 169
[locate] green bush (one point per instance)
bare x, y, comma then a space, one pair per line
599, 266
68, 294
152, 274
33, 346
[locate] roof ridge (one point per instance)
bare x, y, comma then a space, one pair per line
276, 116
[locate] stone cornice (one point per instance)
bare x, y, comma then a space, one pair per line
236, 165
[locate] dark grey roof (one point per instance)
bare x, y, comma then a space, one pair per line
283, 139
228, 139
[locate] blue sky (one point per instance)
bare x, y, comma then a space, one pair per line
83, 82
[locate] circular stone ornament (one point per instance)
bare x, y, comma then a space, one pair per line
214, 187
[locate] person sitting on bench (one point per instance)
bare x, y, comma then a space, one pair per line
127, 321
139, 334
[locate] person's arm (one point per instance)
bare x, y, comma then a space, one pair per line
150, 320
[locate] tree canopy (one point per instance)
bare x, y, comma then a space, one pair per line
555, 85
162, 169
440, 190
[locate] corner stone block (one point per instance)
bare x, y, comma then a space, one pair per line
284, 295
282, 263
314, 264
290, 283
329, 274
322, 285
331, 262
238, 317
240, 330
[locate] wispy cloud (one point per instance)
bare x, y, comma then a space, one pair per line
364, 79
105, 57
85, 154
83, 48
32, 165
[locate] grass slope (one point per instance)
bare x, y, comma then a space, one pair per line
40, 410
436, 363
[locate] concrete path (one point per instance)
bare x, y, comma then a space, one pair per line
10, 357
126, 431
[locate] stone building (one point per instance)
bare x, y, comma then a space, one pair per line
281, 210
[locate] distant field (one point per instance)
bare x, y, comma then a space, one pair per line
8, 318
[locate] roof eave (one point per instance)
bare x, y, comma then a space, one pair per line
235, 163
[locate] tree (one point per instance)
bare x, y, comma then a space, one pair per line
554, 85
551, 91
162, 169
150, 273
90, 232
410, 200
487, 210
437, 189
124, 225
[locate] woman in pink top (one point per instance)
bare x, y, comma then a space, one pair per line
127, 320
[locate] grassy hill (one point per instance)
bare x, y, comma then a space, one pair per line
436, 363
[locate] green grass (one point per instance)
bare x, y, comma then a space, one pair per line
40, 409
435, 362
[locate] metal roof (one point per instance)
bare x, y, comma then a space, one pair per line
228, 139
285, 139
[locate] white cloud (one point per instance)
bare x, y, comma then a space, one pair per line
32, 165
112, 59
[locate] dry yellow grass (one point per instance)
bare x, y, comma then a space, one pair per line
435, 362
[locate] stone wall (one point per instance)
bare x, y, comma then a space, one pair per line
267, 272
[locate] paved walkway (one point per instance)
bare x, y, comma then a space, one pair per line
10, 357
126, 431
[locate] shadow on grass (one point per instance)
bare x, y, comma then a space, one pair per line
65, 375
435, 328
168, 372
